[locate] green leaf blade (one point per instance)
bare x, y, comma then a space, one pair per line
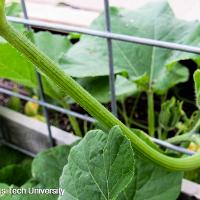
48, 165
20, 70
160, 65
97, 168
152, 183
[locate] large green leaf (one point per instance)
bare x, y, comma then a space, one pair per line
152, 182
51, 44
47, 166
19, 69
89, 57
99, 87
12, 157
15, 9
14, 66
4, 194
95, 167
46, 170
16, 174
22, 71
99, 167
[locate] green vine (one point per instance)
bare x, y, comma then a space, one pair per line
81, 96
74, 123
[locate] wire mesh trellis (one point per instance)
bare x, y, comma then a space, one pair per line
109, 36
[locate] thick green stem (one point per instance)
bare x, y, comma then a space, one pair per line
72, 88
151, 114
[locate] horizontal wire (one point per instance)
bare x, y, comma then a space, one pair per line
47, 105
115, 36
13, 146
172, 147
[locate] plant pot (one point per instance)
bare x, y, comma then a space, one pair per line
29, 134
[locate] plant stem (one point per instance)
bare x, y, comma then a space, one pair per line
187, 137
179, 138
164, 134
190, 136
151, 114
89, 103
134, 122
74, 123
124, 114
85, 126
135, 105
159, 132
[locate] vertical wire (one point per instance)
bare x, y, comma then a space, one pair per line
110, 59
40, 86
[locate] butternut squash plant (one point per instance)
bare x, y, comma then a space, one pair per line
107, 164
81, 96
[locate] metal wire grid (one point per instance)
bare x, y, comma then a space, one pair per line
109, 36
40, 86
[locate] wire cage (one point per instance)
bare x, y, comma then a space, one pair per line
109, 36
